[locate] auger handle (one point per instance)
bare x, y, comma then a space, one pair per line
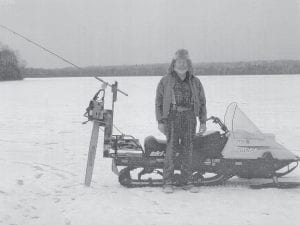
110, 85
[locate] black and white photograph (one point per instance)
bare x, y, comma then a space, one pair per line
149, 112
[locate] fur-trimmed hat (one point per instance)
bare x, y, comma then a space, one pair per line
182, 54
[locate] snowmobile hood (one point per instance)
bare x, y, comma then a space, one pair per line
246, 141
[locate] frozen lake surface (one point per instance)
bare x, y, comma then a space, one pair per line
43, 153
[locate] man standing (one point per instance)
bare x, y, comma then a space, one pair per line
180, 99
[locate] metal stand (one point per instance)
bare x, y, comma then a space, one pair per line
100, 117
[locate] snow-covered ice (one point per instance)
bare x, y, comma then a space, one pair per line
43, 153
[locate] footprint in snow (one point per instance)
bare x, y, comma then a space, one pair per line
38, 168
18, 206
38, 176
60, 175
20, 182
56, 200
67, 222
155, 203
51, 143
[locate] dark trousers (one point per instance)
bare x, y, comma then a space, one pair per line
181, 129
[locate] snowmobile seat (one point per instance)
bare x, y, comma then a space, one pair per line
154, 146
208, 145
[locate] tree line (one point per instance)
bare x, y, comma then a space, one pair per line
12, 68
230, 68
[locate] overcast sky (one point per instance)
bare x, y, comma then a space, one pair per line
110, 32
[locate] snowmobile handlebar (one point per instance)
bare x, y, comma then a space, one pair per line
219, 122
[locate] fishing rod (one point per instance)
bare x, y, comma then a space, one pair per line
56, 55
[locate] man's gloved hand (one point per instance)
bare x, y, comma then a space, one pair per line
162, 128
202, 128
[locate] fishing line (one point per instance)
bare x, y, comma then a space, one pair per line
60, 57
40, 46
54, 54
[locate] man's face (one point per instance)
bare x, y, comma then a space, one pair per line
181, 65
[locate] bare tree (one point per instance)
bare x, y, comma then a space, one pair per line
10, 66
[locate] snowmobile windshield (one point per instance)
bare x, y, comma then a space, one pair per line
240, 125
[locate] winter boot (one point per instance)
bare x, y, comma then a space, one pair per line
168, 188
190, 187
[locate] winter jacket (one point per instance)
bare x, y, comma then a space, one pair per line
164, 90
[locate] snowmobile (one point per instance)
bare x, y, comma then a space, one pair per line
236, 148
